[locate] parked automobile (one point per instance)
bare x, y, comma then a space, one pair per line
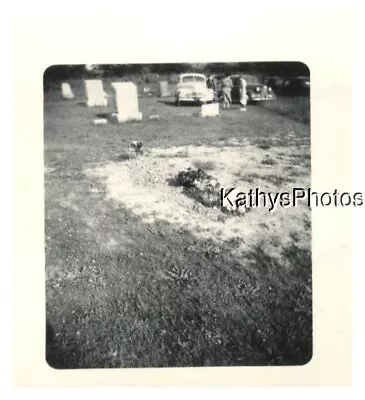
297, 86
275, 82
192, 88
256, 90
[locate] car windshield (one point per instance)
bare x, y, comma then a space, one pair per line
251, 79
192, 78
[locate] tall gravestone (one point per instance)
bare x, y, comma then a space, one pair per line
95, 95
67, 92
164, 89
126, 101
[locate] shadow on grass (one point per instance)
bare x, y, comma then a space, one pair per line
104, 115
182, 104
169, 300
201, 306
167, 102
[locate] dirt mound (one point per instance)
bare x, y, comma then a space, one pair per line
143, 186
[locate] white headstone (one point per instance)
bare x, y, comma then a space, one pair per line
67, 92
96, 97
209, 110
164, 89
126, 101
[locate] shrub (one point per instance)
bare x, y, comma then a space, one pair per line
173, 78
150, 78
198, 185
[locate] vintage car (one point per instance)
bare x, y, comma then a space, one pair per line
297, 86
275, 82
256, 90
193, 88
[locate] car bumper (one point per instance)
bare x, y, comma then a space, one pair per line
195, 98
258, 97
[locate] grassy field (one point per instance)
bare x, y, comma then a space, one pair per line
147, 288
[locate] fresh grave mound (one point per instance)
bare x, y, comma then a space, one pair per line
162, 186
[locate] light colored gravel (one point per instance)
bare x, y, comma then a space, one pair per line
141, 185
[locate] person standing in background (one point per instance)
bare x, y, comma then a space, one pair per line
226, 92
212, 85
243, 94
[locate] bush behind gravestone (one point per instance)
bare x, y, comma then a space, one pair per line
173, 78
151, 78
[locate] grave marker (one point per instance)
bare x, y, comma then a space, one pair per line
67, 92
126, 101
209, 110
96, 97
164, 89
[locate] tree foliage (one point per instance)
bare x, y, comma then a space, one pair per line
284, 69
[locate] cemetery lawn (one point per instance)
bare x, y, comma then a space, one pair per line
124, 293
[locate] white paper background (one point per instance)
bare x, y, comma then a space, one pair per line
110, 32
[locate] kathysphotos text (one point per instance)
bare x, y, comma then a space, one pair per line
233, 198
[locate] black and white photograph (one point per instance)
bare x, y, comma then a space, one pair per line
177, 215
